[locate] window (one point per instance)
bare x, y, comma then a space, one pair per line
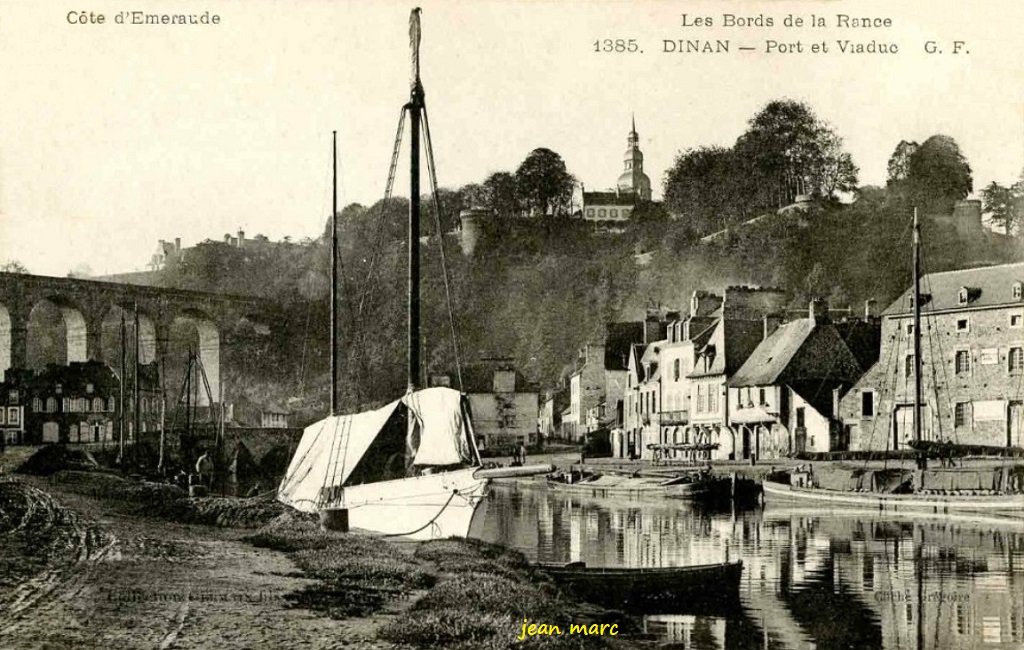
675, 370
51, 405
590, 212
13, 416
908, 368
601, 212
963, 325
1015, 359
800, 421
1017, 319
613, 213
97, 404
12, 397
700, 398
909, 327
962, 296
111, 404
37, 405
761, 397
1, 419
712, 400
1018, 291
963, 362
89, 388
960, 414
867, 404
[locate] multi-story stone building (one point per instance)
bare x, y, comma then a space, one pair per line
505, 409
600, 377
972, 356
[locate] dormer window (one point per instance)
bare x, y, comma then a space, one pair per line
89, 388
1018, 290
967, 295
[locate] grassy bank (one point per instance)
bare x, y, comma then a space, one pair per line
165, 501
452, 593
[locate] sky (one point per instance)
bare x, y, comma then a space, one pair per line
113, 137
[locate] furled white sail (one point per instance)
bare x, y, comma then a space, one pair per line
330, 450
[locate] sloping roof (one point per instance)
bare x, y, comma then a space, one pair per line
770, 358
618, 338
864, 338
479, 378
608, 198
729, 344
990, 285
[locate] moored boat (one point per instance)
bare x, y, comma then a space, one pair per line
639, 487
1002, 504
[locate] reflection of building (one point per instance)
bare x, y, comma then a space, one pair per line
972, 356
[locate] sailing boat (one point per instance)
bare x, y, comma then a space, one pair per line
410, 468
802, 489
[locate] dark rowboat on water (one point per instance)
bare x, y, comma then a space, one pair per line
710, 585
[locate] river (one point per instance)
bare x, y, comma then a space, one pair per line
810, 580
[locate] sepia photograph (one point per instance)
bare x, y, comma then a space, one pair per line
512, 324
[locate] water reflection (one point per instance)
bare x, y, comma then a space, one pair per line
856, 580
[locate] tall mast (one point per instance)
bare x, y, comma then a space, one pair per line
136, 389
415, 108
334, 276
124, 378
917, 329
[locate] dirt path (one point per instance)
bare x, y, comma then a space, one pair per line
113, 581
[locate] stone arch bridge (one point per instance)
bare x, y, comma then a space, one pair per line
84, 305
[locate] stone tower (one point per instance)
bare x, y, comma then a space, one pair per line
633, 179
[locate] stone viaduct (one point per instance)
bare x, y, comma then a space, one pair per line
85, 304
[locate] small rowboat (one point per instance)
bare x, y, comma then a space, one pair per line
708, 585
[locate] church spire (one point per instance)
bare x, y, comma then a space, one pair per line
632, 118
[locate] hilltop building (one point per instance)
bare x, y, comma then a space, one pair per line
633, 186
972, 357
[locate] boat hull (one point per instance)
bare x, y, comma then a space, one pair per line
631, 491
1008, 504
433, 506
709, 585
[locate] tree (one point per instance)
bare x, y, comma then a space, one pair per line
1003, 205
500, 196
939, 174
699, 187
544, 184
790, 151
13, 266
899, 162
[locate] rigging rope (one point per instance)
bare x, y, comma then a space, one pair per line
432, 519
440, 242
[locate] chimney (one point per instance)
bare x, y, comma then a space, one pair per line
177, 243
652, 329
227, 238
818, 311
241, 237
870, 308
769, 323
835, 403
162, 244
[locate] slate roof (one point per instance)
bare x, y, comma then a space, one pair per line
730, 343
618, 338
608, 198
768, 361
991, 285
